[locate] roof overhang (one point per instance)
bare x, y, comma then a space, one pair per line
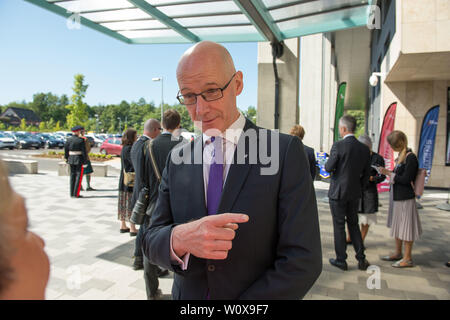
187, 21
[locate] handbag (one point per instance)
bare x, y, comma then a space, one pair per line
128, 178
419, 182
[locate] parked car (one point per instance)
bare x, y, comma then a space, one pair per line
97, 141
53, 143
111, 146
7, 142
27, 141
9, 134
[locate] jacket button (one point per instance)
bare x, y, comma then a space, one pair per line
211, 268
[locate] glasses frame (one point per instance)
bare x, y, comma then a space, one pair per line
179, 95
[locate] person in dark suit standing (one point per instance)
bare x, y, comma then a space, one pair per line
230, 225
369, 201
299, 131
349, 165
152, 128
161, 147
76, 156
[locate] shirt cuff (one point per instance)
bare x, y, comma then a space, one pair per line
183, 261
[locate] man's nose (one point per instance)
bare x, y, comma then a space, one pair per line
202, 106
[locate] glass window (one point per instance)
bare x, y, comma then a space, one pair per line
117, 15
134, 25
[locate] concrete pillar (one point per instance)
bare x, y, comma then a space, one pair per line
288, 72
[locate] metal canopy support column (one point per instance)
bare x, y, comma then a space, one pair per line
161, 17
261, 19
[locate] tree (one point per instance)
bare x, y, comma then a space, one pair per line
78, 109
250, 114
23, 124
360, 121
42, 126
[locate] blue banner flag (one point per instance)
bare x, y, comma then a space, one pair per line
427, 139
322, 158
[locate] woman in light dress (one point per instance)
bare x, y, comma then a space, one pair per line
403, 218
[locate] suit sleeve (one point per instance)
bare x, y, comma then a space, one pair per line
298, 261
83, 150
312, 164
380, 177
156, 241
366, 171
66, 151
333, 160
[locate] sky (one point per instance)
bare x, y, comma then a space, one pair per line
39, 53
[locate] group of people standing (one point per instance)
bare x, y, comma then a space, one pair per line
356, 170
76, 155
136, 160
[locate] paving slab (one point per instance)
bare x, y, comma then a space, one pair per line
90, 259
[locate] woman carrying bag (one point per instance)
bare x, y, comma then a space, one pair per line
403, 218
126, 182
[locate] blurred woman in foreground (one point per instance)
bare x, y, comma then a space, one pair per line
24, 265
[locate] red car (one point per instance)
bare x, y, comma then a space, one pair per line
111, 146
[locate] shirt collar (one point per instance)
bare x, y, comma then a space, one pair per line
349, 135
233, 132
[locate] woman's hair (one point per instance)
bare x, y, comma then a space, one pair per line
399, 142
298, 131
6, 194
128, 136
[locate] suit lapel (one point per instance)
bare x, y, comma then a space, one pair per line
196, 176
236, 175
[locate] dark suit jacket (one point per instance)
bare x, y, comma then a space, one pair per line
75, 143
138, 161
349, 164
275, 255
161, 146
312, 161
405, 173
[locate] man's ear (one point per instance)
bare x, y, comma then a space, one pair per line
239, 83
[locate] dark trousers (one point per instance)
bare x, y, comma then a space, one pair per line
150, 270
75, 179
342, 211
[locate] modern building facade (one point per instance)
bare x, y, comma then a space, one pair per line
408, 44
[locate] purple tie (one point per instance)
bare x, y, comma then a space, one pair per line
215, 181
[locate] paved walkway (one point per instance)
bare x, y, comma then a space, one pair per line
90, 259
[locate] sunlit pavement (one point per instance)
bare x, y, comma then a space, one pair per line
90, 259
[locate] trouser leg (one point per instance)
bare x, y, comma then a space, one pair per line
353, 228
338, 213
150, 270
138, 242
73, 178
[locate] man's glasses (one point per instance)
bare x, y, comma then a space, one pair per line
207, 95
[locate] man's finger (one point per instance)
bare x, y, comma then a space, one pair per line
220, 220
232, 226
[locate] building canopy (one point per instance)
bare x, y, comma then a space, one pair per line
186, 21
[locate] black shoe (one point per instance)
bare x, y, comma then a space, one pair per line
163, 273
363, 264
156, 296
133, 234
138, 263
125, 230
90, 189
340, 265
448, 264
